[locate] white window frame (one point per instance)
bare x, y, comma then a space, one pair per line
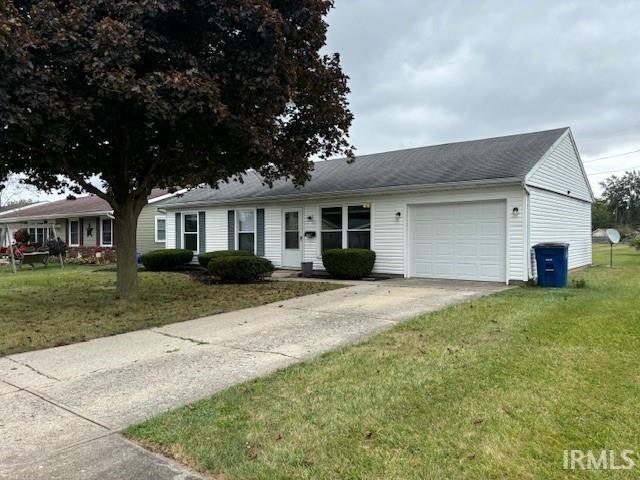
102, 243
346, 227
161, 217
345, 223
341, 230
196, 233
255, 228
71, 221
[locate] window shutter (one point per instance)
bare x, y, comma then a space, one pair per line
178, 229
231, 228
260, 232
202, 232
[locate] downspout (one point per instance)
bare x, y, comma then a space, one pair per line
528, 231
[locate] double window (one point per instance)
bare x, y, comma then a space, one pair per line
74, 233
161, 229
191, 228
247, 230
40, 235
106, 232
354, 233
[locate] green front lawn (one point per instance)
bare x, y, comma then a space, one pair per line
50, 307
494, 388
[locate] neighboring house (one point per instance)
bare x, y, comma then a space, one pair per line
86, 223
468, 210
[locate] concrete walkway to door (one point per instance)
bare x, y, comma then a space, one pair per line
61, 408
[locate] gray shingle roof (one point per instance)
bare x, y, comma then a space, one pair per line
510, 157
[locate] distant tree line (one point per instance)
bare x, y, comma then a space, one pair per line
619, 205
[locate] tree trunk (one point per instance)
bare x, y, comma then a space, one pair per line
126, 229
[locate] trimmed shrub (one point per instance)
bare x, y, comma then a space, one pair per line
349, 263
205, 258
240, 268
169, 259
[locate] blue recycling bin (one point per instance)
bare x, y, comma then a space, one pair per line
552, 262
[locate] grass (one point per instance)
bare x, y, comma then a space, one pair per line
494, 388
51, 307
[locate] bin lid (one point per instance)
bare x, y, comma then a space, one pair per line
551, 245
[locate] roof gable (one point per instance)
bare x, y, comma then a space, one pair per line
561, 170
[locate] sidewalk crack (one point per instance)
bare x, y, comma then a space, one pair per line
59, 405
251, 350
33, 369
186, 339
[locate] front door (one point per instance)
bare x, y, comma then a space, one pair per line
292, 244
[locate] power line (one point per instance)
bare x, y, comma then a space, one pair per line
613, 171
612, 156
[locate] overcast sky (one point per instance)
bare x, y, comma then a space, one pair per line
427, 72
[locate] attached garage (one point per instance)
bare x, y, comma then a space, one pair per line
465, 211
464, 241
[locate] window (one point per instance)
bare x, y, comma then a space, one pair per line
331, 229
291, 231
246, 230
355, 234
359, 228
106, 232
190, 237
161, 229
40, 235
74, 233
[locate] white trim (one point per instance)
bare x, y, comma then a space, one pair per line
53, 216
71, 220
166, 195
255, 228
155, 228
283, 232
197, 232
102, 243
548, 153
345, 223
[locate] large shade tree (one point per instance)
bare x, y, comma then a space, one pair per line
622, 195
116, 97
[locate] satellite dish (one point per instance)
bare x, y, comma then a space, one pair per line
614, 235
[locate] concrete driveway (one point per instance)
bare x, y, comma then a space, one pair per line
61, 408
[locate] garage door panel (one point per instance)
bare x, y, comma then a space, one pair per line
460, 241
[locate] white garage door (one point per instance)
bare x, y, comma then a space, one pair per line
463, 241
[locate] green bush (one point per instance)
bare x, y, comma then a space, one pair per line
205, 258
636, 242
169, 259
349, 263
240, 268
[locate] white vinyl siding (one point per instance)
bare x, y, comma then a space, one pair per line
557, 218
388, 230
171, 229
561, 171
216, 229
273, 235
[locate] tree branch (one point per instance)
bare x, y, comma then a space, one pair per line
80, 180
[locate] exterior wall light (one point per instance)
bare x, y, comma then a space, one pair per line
398, 215
516, 211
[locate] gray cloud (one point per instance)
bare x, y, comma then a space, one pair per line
425, 72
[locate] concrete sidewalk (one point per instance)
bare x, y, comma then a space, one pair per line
61, 408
